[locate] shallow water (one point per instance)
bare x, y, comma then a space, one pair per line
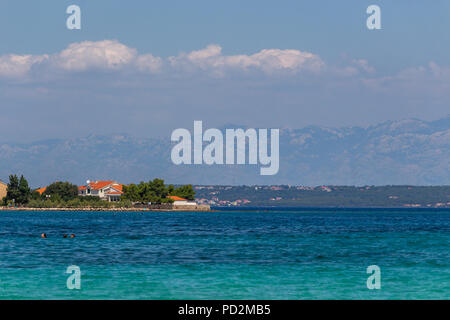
258, 254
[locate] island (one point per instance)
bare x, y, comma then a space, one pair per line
104, 195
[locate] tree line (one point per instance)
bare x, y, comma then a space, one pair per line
156, 192
65, 194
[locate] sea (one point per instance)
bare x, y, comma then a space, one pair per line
252, 253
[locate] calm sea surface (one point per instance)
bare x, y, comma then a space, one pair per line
235, 254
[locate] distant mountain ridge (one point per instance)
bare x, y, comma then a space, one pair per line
402, 152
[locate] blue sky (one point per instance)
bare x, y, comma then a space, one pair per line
351, 76
413, 31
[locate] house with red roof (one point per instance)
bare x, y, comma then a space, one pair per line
105, 190
178, 201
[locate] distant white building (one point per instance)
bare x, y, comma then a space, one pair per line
105, 190
177, 201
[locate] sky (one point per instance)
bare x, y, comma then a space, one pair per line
146, 68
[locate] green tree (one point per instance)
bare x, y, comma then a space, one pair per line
35, 196
156, 191
18, 190
25, 191
65, 191
131, 193
186, 192
13, 192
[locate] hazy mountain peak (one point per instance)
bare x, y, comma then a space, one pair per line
408, 151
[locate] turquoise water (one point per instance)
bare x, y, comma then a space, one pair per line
259, 254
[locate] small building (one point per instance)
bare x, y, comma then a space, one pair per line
178, 201
3, 189
105, 190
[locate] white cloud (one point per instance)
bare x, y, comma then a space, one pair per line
107, 54
352, 68
210, 51
16, 65
267, 60
276, 59
113, 55
150, 63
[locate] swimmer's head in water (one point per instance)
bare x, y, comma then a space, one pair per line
72, 235
43, 235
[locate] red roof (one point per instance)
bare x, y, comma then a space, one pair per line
41, 190
118, 187
175, 198
97, 185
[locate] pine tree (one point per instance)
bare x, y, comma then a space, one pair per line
13, 192
24, 191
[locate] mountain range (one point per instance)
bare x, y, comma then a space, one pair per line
406, 152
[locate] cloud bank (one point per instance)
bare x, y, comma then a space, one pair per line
267, 60
105, 87
113, 55
12, 65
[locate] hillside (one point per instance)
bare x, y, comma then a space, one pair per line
409, 152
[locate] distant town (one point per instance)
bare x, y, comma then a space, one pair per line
325, 196
108, 194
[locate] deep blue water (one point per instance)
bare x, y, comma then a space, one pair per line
232, 254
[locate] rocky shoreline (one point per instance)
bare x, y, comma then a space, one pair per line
197, 208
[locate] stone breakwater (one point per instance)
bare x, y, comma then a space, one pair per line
173, 208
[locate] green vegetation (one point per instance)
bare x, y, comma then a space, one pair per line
65, 195
64, 190
153, 191
79, 202
19, 192
186, 192
156, 192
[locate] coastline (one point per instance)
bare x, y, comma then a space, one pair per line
197, 208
